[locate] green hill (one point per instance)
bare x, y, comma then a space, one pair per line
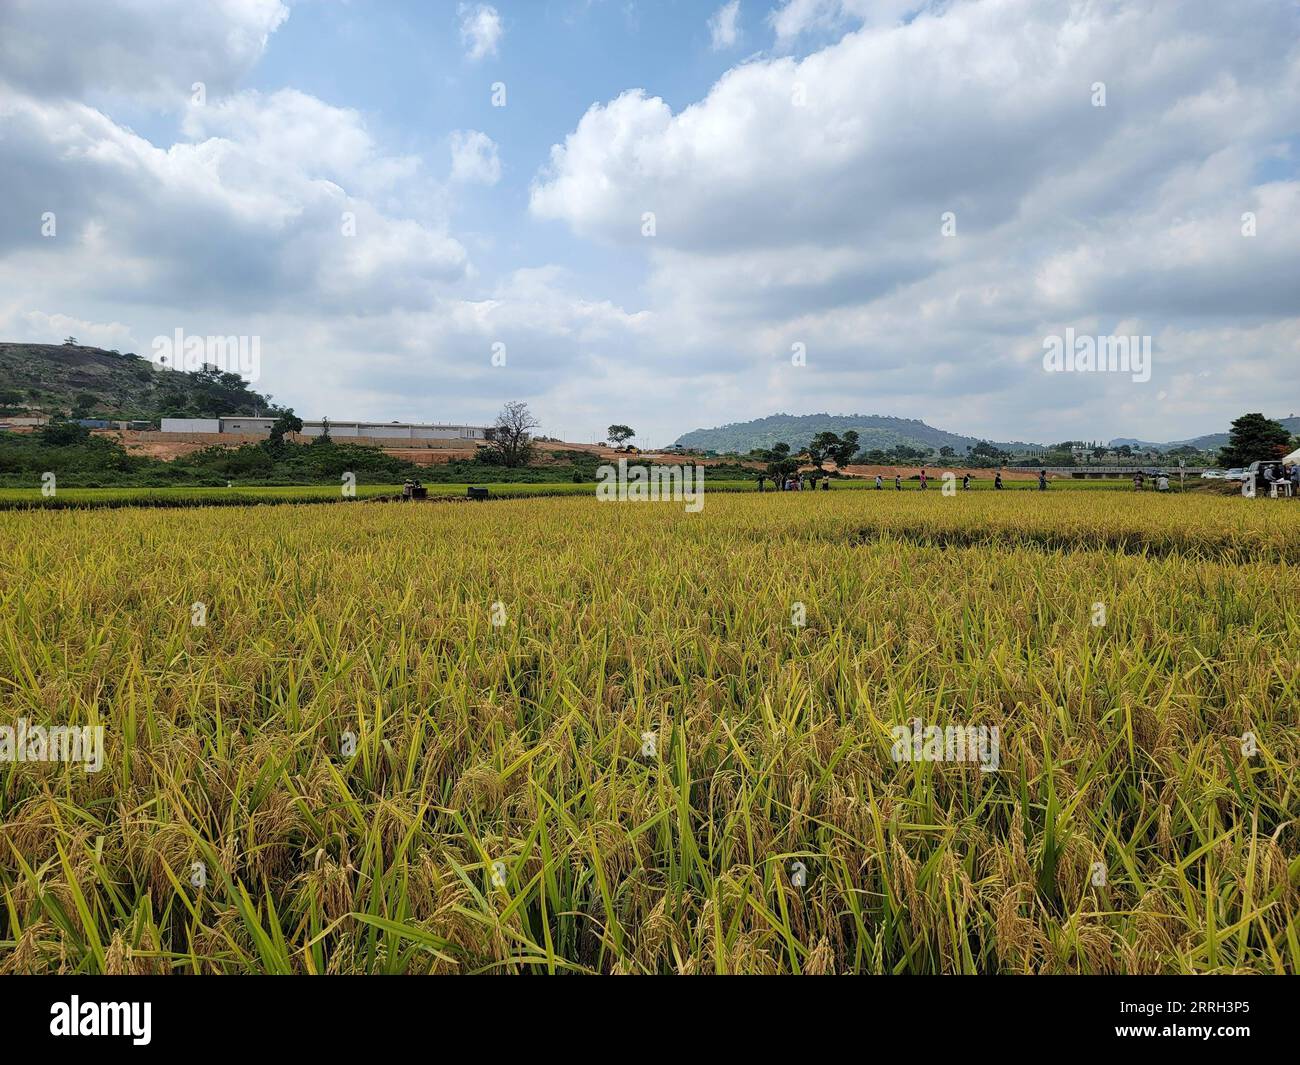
89, 382
874, 431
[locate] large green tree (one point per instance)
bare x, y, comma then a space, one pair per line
842, 453
287, 422
821, 446
828, 445
1254, 438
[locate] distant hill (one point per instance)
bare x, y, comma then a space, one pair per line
88, 382
874, 431
1208, 442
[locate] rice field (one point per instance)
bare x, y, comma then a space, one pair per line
553, 735
31, 498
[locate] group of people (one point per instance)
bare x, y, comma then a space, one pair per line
1279, 474
1159, 481
797, 483
925, 481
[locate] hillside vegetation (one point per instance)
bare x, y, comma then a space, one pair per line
874, 432
73, 379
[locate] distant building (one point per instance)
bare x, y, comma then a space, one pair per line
261, 426
113, 423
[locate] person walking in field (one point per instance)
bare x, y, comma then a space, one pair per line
997, 481
923, 484
1042, 480
965, 483
898, 483
761, 479
879, 483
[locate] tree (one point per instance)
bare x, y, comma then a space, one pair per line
61, 433
620, 434
323, 437
985, 450
844, 450
1254, 438
509, 440
287, 422
780, 464
821, 447
946, 452
827, 445
70, 341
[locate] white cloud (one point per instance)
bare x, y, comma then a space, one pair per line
151, 51
251, 210
723, 28
474, 158
38, 327
480, 29
797, 17
801, 201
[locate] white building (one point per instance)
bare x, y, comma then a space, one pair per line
261, 426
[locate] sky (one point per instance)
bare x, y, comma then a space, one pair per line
670, 214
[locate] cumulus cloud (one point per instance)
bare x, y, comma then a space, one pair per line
480, 30
803, 200
474, 158
233, 215
154, 51
280, 216
723, 28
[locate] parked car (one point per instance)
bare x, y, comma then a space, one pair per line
1211, 475
1235, 474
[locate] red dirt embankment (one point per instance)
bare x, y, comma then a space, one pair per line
138, 443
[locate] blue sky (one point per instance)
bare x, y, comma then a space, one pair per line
799, 158
556, 59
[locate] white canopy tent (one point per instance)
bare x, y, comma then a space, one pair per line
1293, 457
